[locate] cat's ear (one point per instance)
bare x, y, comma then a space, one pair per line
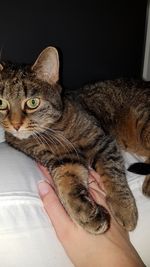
1, 67
46, 67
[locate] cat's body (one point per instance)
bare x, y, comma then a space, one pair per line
122, 108
69, 133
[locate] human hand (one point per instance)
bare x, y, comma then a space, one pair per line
84, 249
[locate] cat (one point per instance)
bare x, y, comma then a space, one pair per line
69, 131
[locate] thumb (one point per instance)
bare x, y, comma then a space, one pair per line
55, 210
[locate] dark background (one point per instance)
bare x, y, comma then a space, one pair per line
96, 39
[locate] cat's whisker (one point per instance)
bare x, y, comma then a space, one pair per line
60, 143
57, 135
43, 140
53, 138
39, 139
69, 143
63, 144
48, 142
36, 138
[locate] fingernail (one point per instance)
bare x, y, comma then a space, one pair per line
44, 188
90, 168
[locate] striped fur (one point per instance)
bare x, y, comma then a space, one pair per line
70, 131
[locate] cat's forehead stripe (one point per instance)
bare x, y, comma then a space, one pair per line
1, 89
12, 89
25, 88
15, 87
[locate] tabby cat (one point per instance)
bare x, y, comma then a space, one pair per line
68, 132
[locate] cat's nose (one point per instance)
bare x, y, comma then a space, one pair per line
17, 126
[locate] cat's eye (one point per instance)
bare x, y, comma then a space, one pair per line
33, 103
3, 104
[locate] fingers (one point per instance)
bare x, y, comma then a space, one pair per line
96, 188
95, 185
98, 193
57, 214
96, 177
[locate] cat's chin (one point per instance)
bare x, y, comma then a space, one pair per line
22, 134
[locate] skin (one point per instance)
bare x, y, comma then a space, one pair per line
84, 249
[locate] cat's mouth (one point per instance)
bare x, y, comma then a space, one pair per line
21, 134
17, 130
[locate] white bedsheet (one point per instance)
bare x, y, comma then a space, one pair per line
27, 237
140, 237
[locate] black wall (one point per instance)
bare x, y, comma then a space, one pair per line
97, 39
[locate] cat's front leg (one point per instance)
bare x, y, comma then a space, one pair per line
109, 164
71, 180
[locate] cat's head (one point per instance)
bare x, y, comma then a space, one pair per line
30, 98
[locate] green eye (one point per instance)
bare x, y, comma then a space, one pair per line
3, 104
33, 103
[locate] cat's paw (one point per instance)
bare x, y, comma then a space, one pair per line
125, 213
92, 217
146, 186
